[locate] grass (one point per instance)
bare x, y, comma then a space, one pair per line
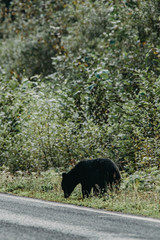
47, 186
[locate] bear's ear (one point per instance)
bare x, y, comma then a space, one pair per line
63, 175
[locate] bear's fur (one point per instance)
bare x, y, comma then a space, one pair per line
97, 174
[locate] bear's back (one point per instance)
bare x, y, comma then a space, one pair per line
96, 163
93, 167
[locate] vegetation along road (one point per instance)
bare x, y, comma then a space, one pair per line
79, 80
24, 218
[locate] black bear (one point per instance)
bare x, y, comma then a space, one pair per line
97, 174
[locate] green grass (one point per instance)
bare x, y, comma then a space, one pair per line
47, 186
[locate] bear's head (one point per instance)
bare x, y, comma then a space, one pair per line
67, 185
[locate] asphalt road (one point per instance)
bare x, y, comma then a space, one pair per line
28, 219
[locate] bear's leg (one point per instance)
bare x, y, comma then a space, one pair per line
96, 190
103, 187
86, 191
116, 185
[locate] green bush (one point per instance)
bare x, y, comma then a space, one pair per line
81, 80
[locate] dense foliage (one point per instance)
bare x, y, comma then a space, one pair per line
79, 79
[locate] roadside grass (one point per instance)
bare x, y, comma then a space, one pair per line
47, 186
